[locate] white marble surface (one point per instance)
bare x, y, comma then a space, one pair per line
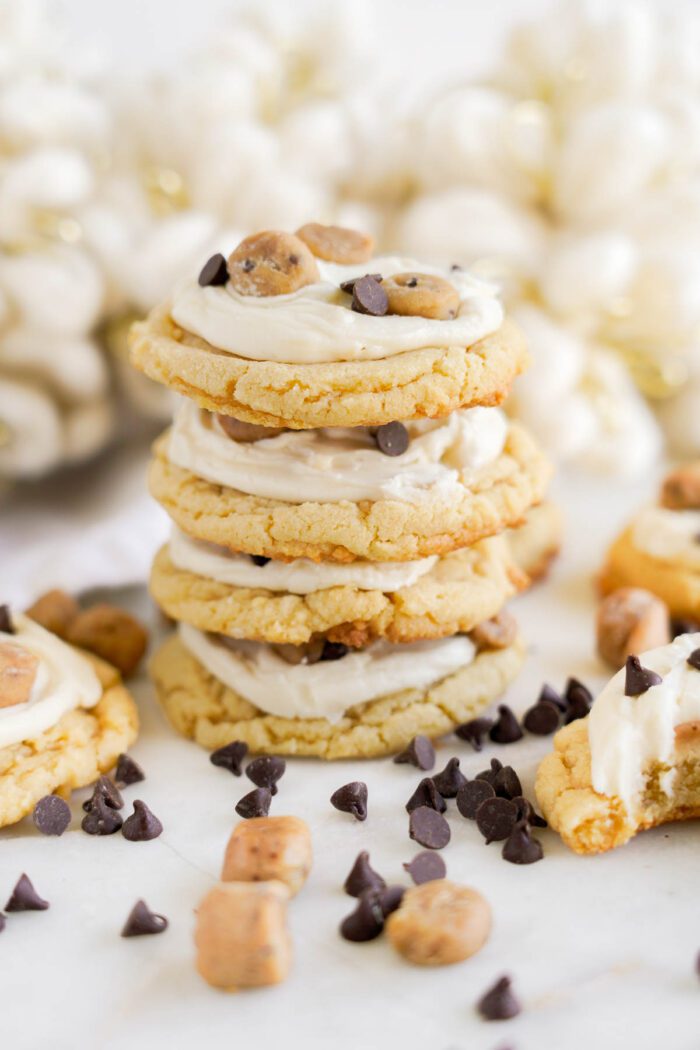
601, 950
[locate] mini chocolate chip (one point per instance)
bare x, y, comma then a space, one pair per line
333, 651
255, 804
266, 771
507, 784
128, 771
248, 265
579, 705
425, 867
506, 729
259, 560
351, 798
490, 774
367, 920
362, 876
638, 679
142, 825
25, 898
6, 620
450, 779
100, 818
471, 795
428, 828
576, 690
368, 297
348, 286
496, 818
474, 731
412, 282
390, 898
419, 753
230, 757
499, 1003
426, 794
214, 271
694, 659
526, 812
105, 789
51, 815
391, 439
142, 920
542, 719
521, 848
680, 626
550, 694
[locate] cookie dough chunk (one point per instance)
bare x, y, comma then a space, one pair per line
336, 243
201, 707
421, 295
629, 622
536, 543
439, 923
271, 263
265, 848
628, 566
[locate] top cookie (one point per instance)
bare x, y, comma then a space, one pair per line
309, 330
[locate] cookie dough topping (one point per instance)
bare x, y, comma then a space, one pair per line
271, 263
336, 244
422, 295
669, 536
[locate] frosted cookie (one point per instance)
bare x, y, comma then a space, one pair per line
369, 702
65, 717
334, 495
536, 543
278, 337
292, 602
634, 762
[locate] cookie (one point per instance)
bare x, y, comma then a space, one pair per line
536, 543
429, 382
628, 566
202, 708
461, 590
386, 530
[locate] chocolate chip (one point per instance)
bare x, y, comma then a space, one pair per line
426, 794
694, 659
362, 876
255, 804
428, 828
490, 774
368, 297
496, 818
577, 697
506, 783
367, 920
419, 753
100, 818
450, 779
425, 867
471, 795
474, 731
259, 560
6, 620
390, 898
266, 771
333, 651
520, 847
638, 679
351, 798
506, 729
499, 1003
542, 719
107, 791
142, 825
128, 771
25, 898
526, 812
392, 439
348, 286
214, 271
550, 694
142, 920
230, 757
51, 815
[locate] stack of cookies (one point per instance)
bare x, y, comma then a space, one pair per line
340, 482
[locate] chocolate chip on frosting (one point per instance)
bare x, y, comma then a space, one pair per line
259, 560
392, 439
426, 794
271, 263
230, 757
333, 651
694, 659
428, 828
419, 753
474, 731
348, 286
362, 876
369, 297
351, 798
638, 679
337, 244
450, 779
255, 804
506, 729
499, 1003
25, 898
6, 620
422, 295
51, 815
142, 921
245, 433
266, 770
214, 271
142, 825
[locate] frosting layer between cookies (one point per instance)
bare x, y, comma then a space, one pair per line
331, 465
64, 680
316, 324
325, 689
669, 535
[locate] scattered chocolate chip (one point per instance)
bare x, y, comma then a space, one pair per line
107, 791
142, 920
100, 818
255, 804
506, 783
214, 271
679, 626
471, 795
333, 651
142, 825
495, 819
419, 753
51, 815
551, 695
449, 780
230, 757
259, 560
579, 705
128, 771
351, 798
575, 692
367, 920
362, 876
526, 812
391, 897
520, 847
266, 771
426, 794
490, 774
428, 828
474, 731
542, 719
392, 439
25, 898
348, 286
638, 679
506, 729
694, 659
425, 867
499, 1003
6, 620
368, 297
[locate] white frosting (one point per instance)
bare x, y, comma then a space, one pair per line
64, 680
341, 463
669, 535
300, 576
627, 733
316, 323
326, 689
